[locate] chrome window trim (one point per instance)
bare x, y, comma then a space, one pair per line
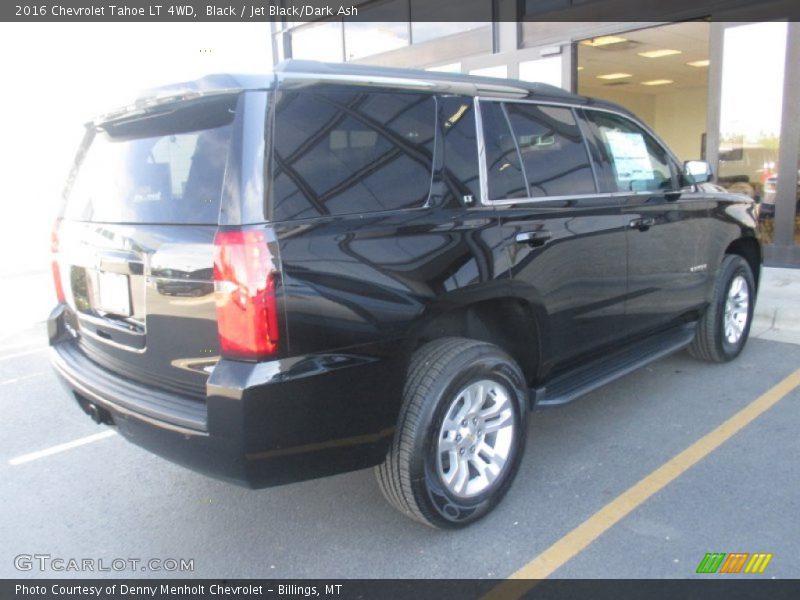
291, 79
565, 103
483, 172
587, 107
542, 199
482, 168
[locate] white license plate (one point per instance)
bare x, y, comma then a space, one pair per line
113, 294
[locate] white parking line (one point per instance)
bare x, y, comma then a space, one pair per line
24, 346
22, 377
18, 354
26, 458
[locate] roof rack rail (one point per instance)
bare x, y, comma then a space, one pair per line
306, 71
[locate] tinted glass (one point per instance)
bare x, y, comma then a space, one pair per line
505, 178
638, 162
460, 147
340, 153
552, 150
156, 169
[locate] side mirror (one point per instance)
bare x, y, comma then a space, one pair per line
697, 171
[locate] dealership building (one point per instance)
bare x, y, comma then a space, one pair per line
714, 81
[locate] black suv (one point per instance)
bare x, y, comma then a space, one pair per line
333, 267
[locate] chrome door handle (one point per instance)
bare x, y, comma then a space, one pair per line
642, 224
533, 238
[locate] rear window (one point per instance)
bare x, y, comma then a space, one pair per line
351, 153
161, 168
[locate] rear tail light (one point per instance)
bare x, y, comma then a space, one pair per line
244, 285
54, 248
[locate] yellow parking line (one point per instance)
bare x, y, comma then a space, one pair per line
587, 532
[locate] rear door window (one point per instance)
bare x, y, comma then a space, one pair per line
460, 147
552, 149
160, 168
340, 153
504, 170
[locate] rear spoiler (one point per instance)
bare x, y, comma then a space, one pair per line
209, 86
150, 104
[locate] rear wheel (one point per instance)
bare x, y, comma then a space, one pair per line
724, 328
460, 435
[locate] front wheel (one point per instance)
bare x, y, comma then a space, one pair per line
460, 435
724, 328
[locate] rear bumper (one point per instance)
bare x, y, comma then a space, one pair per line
261, 424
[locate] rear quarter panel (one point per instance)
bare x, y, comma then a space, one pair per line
363, 285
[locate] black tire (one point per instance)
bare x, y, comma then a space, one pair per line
710, 342
439, 371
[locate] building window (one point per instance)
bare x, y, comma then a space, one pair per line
543, 70
320, 41
381, 27
750, 115
531, 8
448, 68
426, 31
500, 71
367, 39
476, 15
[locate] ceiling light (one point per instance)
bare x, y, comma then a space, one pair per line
658, 82
699, 63
581, 68
615, 76
603, 40
659, 53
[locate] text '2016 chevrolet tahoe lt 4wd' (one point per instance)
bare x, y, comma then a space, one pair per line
332, 267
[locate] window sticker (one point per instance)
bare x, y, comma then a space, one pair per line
629, 151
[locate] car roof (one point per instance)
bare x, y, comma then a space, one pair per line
296, 74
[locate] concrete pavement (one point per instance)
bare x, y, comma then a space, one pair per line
777, 312
108, 499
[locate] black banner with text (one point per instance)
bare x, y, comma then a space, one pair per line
402, 589
397, 10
